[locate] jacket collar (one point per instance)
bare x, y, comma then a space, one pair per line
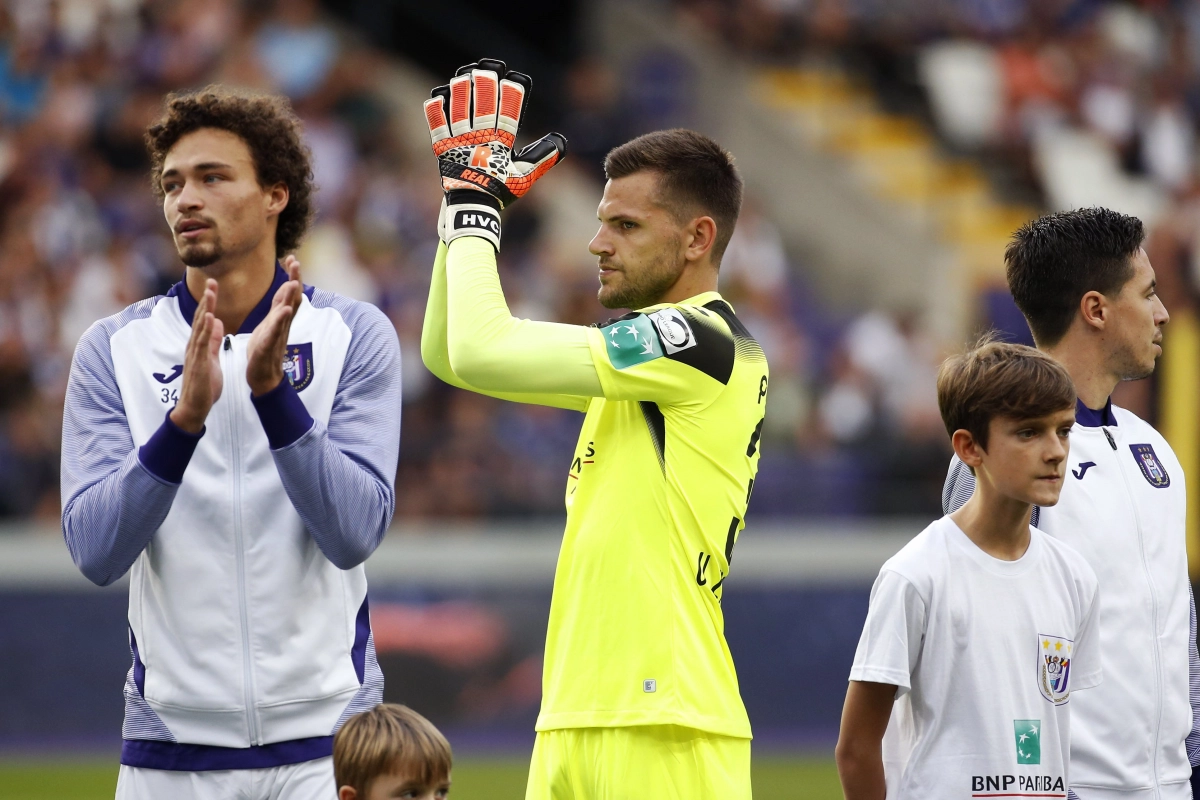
1093, 418
188, 304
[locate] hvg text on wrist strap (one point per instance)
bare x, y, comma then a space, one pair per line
471, 219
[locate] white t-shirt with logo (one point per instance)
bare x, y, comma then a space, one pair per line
985, 654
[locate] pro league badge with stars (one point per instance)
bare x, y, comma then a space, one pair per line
298, 365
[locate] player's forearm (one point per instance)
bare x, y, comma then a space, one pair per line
107, 524
115, 496
435, 352
490, 349
345, 505
860, 768
859, 751
340, 476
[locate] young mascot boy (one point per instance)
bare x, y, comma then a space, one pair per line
980, 628
388, 752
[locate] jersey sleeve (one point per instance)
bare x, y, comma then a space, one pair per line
114, 496
675, 355
341, 475
435, 349
1085, 661
494, 352
892, 635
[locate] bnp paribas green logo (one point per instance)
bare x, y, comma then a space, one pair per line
1028, 733
631, 341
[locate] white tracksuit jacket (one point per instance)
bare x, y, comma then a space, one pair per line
1123, 508
248, 621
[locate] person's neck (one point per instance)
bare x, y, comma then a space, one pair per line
241, 284
1094, 383
998, 525
695, 279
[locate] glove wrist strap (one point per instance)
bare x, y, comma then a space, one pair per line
473, 216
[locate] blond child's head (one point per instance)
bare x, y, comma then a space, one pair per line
390, 752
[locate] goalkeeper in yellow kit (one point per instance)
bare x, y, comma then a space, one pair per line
640, 697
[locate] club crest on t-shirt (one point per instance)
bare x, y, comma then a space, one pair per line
298, 365
1054, 668
1152, 468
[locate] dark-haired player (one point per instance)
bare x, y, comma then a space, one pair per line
640, 696
232, 445
1087, 290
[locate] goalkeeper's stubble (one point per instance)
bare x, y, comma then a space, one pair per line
641, 247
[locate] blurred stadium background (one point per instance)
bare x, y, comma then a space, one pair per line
889, 148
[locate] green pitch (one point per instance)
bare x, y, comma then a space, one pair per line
474, 779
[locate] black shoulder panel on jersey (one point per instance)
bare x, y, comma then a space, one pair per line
747, 347
615, 320
725, 312
709, 348
658, 430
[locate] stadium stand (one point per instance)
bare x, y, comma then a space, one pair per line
955, 125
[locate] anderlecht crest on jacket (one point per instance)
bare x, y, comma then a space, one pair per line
1054, 667
1152, 469
298, 365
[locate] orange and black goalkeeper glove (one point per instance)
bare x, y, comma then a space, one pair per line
473, 123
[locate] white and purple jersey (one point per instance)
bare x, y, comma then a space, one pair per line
1123, 506
248, 622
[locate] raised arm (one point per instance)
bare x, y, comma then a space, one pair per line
493, 350
435, 350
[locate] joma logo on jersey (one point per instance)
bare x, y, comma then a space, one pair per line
1054, 668
175, 372
1152, 469
298, 365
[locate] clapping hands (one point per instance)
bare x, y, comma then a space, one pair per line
268, 342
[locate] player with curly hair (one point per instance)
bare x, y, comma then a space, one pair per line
232, 445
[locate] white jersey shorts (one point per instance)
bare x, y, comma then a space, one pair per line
310, 780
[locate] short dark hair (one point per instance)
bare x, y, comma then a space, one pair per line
695, 173
1055, 260
1000, 379
268, 126
389, 739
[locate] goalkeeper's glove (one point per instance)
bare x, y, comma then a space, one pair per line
473, 122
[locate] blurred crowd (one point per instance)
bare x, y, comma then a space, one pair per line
1067, 103
852, 424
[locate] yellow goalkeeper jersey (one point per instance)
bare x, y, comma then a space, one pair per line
656, 497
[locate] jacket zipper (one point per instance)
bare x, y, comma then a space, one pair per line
1137, 522
240, 551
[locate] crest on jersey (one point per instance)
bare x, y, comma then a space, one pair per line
674, 330
1054, 667
298, 365
1152, 468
